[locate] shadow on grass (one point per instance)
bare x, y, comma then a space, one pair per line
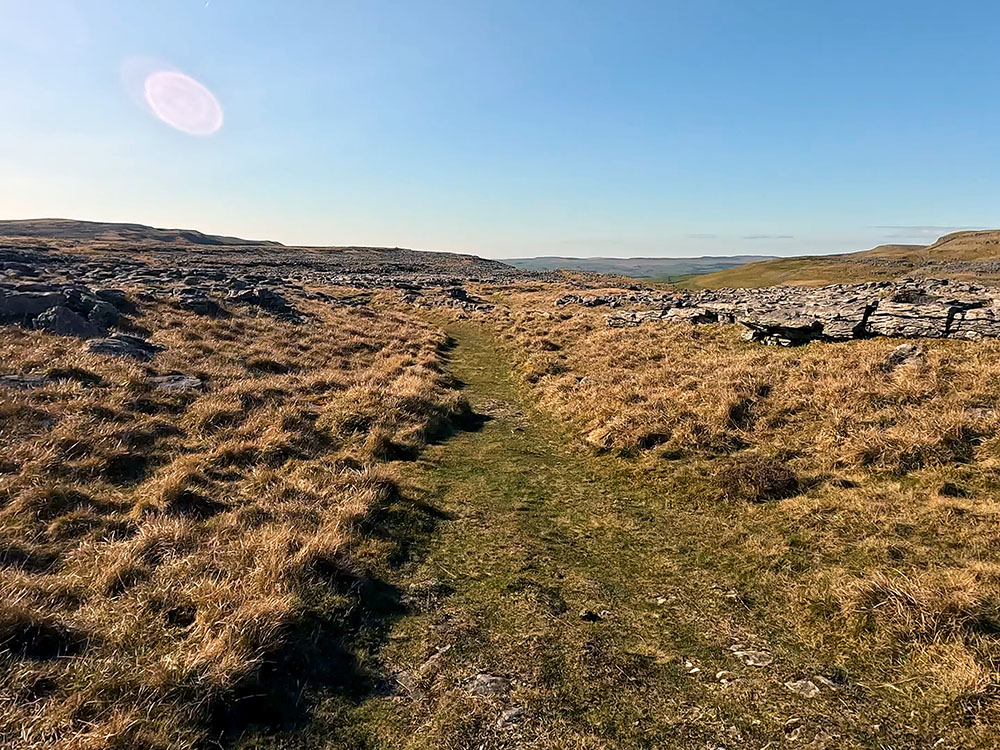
347, 619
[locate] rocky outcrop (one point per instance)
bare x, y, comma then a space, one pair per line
787, 316
65, 310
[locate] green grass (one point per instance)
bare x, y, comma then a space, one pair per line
539, 529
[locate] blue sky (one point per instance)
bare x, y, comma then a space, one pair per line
513, 128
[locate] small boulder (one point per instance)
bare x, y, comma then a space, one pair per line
123, 345
19, 269
104, 315
754, 658
21, 307
64, 322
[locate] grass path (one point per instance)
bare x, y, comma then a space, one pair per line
569, 602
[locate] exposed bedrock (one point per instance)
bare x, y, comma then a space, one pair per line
787, 316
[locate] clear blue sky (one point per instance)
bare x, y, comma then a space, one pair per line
514, 128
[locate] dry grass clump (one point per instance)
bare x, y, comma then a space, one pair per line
757, 479
931, 606
160, 551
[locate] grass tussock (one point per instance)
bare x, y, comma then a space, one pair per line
932, 607
160, 549
757, 479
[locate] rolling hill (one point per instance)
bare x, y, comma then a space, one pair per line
100, 231
961, 255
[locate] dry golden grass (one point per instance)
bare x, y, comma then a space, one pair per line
680, 389
157, 549
881, 542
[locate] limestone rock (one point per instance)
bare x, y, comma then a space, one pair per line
62, 321
21, 307
789, 316
177, 382
754, 658
489, 686
124, 345
805, 688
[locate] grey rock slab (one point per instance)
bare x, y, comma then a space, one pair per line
489, 686
754, 658
124, 345
805, 688
905, 320
177, 382
23, 382
21, 307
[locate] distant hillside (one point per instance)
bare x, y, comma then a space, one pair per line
235, 255
961, 255
638, 268
97, 231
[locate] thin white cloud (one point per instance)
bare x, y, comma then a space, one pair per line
919, 231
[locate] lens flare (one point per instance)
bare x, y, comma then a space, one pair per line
183, 103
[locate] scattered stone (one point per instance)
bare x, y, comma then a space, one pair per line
124, 345
511, 716
690, 668
19, 269
824, 682
805, 688
177, 382
264, 298
754, 658
904, 354
726, 677
489, 686
22, 382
